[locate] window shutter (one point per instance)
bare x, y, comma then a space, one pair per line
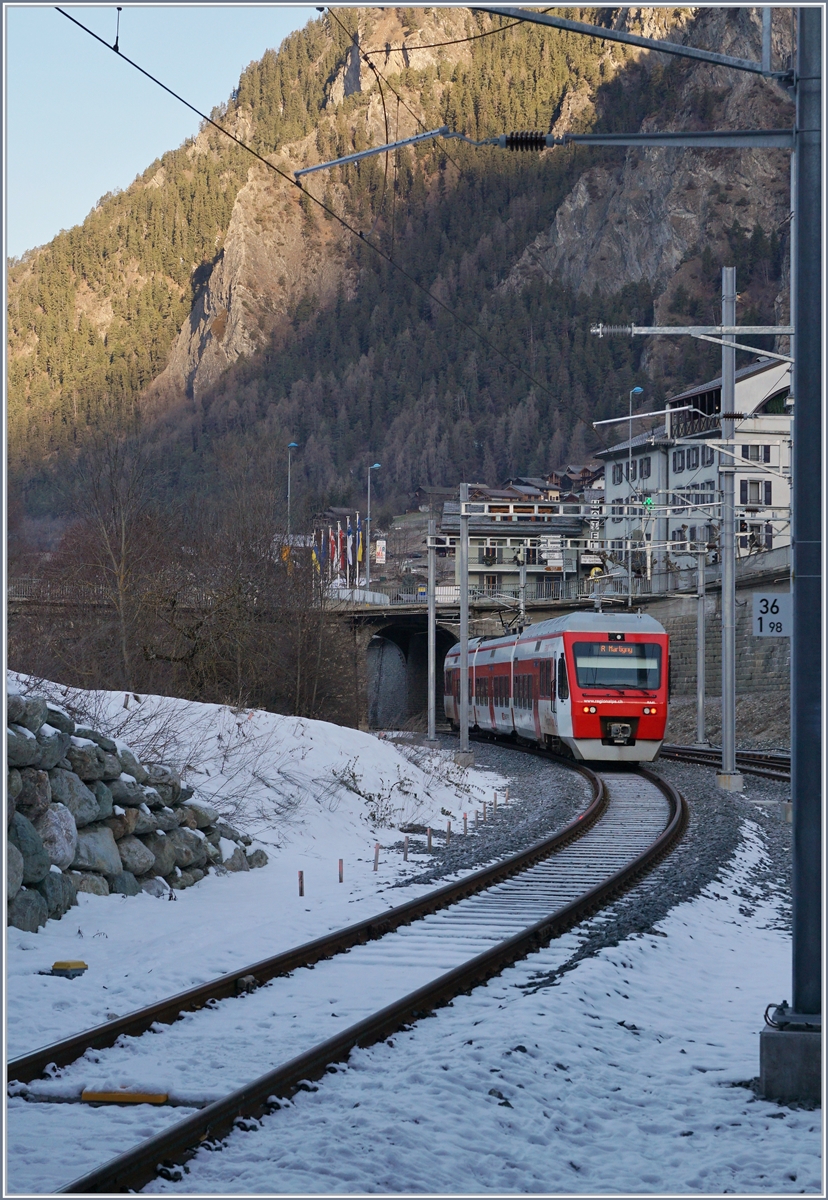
743, 491
766, 454
745, 451
768, 493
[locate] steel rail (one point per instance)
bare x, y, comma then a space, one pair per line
30, 1066
138, 1166
751, 762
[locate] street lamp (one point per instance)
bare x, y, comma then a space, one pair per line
636, 391
291, 446
373, 467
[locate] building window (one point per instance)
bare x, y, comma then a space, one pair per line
631, 469
756, 491
644, 468
693, 458
678, 460
753, 452
617, 473
708, 455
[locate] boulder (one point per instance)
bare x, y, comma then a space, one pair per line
183, 880
186, 793
213, 853
152, 799
124, 884
28, 711
146, 822
96, 851
59, 893
53, 746
155, 887
14, 782
187, 818
35, 793
135, 856
204, 816
111, 766
104, 797
59, 834
59, 718
163, 851
22, 747
166, 819
165, 780
227, 831
14, 871
237, 861
190, 849
68, 789
131, 765
28, 910
35, 859
94, 885
99, 739
257, 858
15, 708
86, 759
126, 790
196, 873
122, 822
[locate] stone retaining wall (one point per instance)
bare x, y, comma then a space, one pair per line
85, 815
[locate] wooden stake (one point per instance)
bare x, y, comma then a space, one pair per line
448, 832
405, 849
429, 839
506, 796
476, 817
484, 813
301, 883
340, 870
376, 856
465, 823
494, 808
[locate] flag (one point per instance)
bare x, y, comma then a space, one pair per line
350, 542
340, 539
315, 559
332, 546
359, 540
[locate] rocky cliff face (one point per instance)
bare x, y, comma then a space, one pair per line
652, 217
649, 218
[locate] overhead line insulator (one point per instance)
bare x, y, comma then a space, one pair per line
526, 139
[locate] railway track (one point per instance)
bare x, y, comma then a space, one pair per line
399, 967
767, 764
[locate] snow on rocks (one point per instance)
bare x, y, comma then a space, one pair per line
81, 811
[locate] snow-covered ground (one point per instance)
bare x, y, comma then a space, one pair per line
628, 1074
623, 1074
309, 792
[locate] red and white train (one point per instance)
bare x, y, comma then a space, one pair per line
594, 685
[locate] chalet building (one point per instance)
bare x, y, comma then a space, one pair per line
663, 488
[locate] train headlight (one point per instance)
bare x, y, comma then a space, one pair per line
649, 712
586, 708
592, 708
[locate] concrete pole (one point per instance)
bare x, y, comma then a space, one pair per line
701, 736
523, 589
728, 778
465, 757
432, 631
806, 641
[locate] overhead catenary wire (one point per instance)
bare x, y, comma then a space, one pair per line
332, 213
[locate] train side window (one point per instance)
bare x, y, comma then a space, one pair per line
563, 682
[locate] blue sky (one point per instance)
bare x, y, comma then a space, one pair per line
80, 123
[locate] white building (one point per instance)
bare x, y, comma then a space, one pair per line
663, 488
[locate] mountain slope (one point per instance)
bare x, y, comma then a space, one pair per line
233, 313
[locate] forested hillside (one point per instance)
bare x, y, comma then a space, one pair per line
226, 314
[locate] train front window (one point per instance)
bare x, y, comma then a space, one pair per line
618, 665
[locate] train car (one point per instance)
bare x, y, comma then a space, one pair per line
592, 685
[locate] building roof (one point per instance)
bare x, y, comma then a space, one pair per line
764, 364
638, 442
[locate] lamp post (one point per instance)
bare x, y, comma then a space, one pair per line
291, 446
367, 547
636, 391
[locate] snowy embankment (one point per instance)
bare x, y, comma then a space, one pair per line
311, 792
630, 1073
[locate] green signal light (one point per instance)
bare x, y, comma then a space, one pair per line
648, 501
